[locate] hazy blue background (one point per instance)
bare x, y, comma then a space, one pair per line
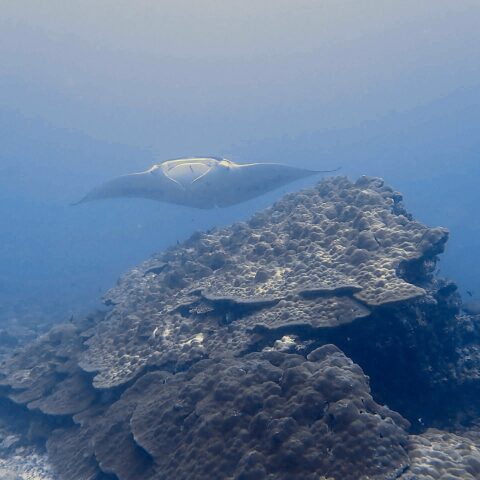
93, 89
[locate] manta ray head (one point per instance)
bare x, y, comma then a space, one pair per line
185, 172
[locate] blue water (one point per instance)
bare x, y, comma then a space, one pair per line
57, 260
91, 91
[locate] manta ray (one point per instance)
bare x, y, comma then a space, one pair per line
201, 182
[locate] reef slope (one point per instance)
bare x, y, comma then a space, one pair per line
267, 350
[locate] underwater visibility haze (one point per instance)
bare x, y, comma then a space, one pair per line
248, 285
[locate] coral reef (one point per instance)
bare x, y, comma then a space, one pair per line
341, 242
267, 350
270, 415
436, 454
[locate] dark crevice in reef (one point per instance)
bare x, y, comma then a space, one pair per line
398, 207
227, 310
146, 459
409, 352
402, 359
143, 466
393, 361
418, 272
33, 426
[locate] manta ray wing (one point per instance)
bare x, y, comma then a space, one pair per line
181, 182
254, 179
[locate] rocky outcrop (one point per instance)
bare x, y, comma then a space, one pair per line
244, 352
